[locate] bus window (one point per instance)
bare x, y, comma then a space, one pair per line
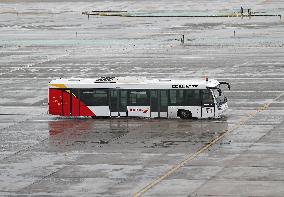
101, 97
86, 96
180, 97
94, 97
176, 97
173, 97
192, 98
154, 100
207, 97
138, 98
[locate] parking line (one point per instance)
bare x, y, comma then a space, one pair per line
204, 148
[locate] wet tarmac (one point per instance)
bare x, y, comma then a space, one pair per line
43, 155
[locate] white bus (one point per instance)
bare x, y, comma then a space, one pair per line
137, 97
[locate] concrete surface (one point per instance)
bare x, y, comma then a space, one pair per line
42, 155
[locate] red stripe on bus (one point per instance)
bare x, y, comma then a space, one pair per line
57, 107
66, 104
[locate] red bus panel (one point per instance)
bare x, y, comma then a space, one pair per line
75, 106
66, 104
55, 101
85, 111
61, 102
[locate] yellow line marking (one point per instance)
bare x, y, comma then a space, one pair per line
203, 149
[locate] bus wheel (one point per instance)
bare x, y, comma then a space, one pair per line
185, 114
94, 117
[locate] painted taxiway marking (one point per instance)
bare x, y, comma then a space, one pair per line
204, 148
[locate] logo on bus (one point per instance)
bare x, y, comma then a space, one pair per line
139, 110
184, 86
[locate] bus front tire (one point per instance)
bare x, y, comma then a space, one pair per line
185, 114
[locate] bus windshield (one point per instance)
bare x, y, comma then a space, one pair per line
219, 96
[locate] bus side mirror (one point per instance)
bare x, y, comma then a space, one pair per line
219, 91
226, 83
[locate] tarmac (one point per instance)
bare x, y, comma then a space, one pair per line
239, 155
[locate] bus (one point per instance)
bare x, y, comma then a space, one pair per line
137, 97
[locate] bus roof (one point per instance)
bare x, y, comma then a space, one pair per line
133, 83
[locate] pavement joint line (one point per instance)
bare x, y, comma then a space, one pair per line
236, 158
190, 157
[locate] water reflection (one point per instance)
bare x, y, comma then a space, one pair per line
84, 134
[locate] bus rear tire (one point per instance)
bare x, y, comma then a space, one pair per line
185, 114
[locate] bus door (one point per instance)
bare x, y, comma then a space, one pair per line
114, 102
163, 103
207, 104
122, 103
154, 104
